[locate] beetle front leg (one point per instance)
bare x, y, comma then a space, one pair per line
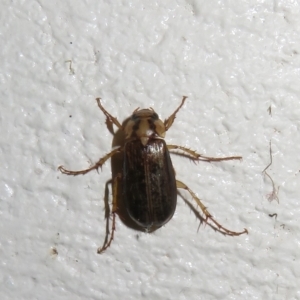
98, 165
196, 156
181, 185
114, 211
168, 122
108, 115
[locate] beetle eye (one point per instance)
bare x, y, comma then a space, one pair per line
154, 116
134, 117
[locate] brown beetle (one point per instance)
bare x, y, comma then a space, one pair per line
149, 186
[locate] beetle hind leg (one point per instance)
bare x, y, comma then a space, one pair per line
222, 229
107, 241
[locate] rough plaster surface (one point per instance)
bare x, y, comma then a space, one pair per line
237, 61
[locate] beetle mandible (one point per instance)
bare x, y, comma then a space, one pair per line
149, 186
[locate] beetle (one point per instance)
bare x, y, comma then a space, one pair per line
149, 186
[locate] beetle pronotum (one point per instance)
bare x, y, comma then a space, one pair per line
149, 186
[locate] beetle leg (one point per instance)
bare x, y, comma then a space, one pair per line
181, 185
114, 211
196, 156
168, 122
108, 115
96, 166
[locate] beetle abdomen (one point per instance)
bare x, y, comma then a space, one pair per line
149, 185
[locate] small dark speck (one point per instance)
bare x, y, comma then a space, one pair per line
273, 215
54, 251
70, 116
71, 43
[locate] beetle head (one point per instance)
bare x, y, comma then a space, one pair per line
143, 124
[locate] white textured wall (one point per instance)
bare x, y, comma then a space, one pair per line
234, 59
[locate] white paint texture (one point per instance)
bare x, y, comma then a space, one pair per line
234, 60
